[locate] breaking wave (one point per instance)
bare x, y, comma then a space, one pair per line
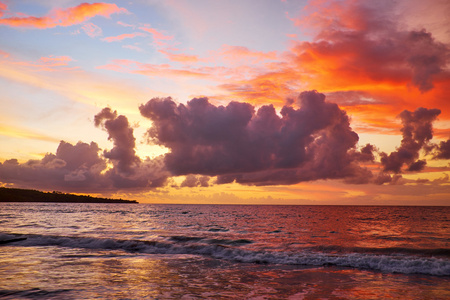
393, 260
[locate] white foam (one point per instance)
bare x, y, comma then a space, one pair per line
394, 263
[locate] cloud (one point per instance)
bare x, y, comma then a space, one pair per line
47, 63
4, 54
417, 131
240, 54
443, 150
308, 140
363, 41
132, 47
82, 168
357, 47
427, 58
64, 17
129, 170
194, 181
25, 133
122, 37
73, 167
183, 58
3, 8
123, 154
236, 142
157, 35
154, 70
125, 24
56, 60
92, 30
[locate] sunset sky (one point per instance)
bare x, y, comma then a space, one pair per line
251, 102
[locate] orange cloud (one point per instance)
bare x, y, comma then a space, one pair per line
49, 63
4, 54
363, 60
269, 87
122, 37
183, 58
239, 54
64, 17
25, 133
165, 70
56, 60
3, 8
76, 85
220, 74
161, 70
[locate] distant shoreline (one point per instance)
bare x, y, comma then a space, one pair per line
24, 195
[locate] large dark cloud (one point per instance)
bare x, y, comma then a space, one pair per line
72, 168
238, 142
364, 40
426, 58
443, 150
417, 132
128, 171
305, 141
81, 168
123, 154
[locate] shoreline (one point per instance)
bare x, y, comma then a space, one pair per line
34, 196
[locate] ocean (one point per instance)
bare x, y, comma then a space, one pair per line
150, 251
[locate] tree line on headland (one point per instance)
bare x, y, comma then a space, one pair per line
23, 195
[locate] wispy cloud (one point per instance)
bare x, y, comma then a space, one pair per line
92, 30
25, 133
158, 36
133, 47
240, 54
180, 57
47, 63
125, 24
64, 17
161, 70
121, 37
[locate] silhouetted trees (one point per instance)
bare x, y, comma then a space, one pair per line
23, 195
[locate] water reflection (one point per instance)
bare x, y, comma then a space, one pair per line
76, 274
80, 270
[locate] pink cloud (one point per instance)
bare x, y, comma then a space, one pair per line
3, 8
132, 47
158, 36
92, 30
123, 36
4, 54
168, 71
239, 54
163, 70
183, 58
56, 60
125, 24
64, 17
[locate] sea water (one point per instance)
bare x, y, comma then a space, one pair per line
146, 251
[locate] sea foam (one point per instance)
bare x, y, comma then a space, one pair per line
236, 251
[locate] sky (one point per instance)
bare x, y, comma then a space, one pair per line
228, 102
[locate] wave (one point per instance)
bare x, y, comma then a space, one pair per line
386, 260
440, 252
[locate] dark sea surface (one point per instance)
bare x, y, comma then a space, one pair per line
145, 251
